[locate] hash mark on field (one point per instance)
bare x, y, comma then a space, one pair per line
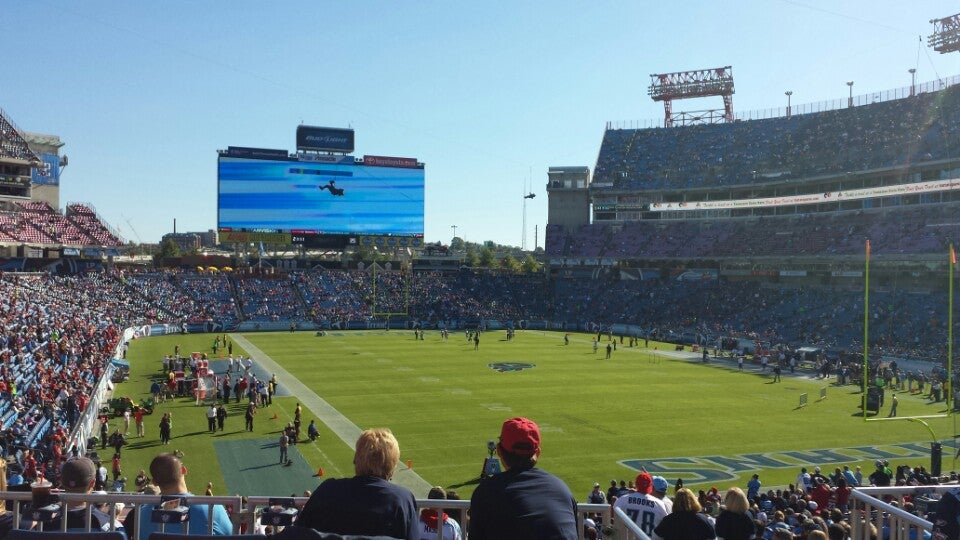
429, 379
459, 391
549, 428
403, 368
384, 360
496, 407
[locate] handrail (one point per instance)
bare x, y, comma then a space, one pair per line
868, 503
634, 530
248, 514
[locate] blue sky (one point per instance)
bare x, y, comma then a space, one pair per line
488, 94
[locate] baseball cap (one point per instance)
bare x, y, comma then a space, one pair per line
596, 484
78, 473
590, 523
644, 483
660, 484
520, 436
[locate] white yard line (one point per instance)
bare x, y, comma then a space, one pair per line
346, 430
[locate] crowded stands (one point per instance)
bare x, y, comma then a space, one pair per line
891, 133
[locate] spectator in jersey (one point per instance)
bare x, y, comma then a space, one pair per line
170, 475
429, 522
734, 522
686, 522
642, 506
522, 501
367, 504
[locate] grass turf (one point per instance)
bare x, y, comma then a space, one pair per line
444, 402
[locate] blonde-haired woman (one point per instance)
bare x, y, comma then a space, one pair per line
734, 523
685, 522
367, 504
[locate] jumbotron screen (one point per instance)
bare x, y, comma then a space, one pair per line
322, 203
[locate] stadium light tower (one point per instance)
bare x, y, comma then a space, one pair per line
667, 87
946, 34
454, 227
850, 99
913, 81
788, 93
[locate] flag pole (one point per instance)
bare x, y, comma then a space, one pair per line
866, 328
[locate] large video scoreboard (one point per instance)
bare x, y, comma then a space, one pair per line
319, 200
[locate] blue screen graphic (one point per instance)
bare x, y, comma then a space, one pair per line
328, 198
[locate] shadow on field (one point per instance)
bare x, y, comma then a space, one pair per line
473, 482
256, 467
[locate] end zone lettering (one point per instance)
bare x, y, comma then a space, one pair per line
713, 469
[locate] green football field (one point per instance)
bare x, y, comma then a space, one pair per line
600, 418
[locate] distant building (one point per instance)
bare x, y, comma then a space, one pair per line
187, 242
568, 191
190, 241
45, 178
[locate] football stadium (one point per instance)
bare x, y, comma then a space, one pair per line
725, 300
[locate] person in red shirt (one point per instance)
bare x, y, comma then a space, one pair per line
138, 419
821, 494
843, 494
29, 465
117, 467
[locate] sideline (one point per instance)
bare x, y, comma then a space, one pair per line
346, 430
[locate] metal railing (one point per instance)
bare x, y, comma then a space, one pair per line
246, 512
634, 532
814, 107
868, 508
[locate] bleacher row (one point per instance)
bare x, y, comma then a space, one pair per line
53, 349
909, 230
35, 222
906, 321
336, 295
899, 132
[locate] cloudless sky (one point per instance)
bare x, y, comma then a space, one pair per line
488, 94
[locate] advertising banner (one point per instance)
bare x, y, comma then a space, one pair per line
386, 161
256, 153
324, 139
815, 198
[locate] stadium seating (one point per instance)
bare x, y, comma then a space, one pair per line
898, 132
907, 230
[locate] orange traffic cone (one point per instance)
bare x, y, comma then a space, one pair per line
275, 417
409, 463
319, 472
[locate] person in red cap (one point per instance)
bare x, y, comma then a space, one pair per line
646, 509
522, 502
